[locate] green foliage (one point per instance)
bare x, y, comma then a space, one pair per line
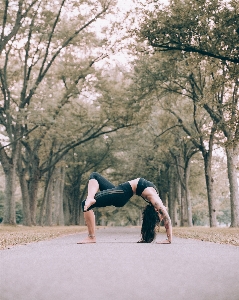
221, 190
54, 82
209, 28
224, 215
198, 193
19, 216
180, 67
19, 213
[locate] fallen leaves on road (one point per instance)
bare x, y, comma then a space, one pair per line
219, 235
20, 235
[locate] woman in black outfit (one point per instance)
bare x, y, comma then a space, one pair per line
118, 197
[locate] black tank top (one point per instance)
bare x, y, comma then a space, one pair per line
142, 185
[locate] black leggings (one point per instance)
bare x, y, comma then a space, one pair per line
110, 194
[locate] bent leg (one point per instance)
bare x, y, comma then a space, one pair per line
96, 182
104, 184
93, 187
90, 223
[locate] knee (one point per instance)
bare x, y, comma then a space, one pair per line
94, 175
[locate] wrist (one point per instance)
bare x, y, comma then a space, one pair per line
169, 238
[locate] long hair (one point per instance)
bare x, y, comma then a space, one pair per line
150, 220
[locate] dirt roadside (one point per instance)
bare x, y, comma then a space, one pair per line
219, 235
20, 235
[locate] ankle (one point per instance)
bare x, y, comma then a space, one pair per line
92, 236
90, 199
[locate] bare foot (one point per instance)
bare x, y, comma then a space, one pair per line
88, 203
88, 240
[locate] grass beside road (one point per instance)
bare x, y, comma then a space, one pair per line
20, 235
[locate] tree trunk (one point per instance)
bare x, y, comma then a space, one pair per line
48, 178
83, 193
9, 216
33, 190
178, 201
183, 169
10, 170
187, 194
233, 185
49, 202
210, 194
25, 199
76, 203
66, 204
58, 196
21, 171
42, 208
172, 196
184, 212
74, 195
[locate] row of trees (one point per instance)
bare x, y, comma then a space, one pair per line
65, 112
53, 99
192, 66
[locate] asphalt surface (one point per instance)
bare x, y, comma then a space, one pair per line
118, 268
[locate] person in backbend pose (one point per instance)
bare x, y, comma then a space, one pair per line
118, 196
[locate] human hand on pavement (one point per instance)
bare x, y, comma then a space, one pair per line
163, 242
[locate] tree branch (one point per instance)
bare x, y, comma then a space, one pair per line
27, 133
43, 70
163, 48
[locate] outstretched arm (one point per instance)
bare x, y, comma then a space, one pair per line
163, 215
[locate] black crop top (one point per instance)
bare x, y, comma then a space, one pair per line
142, 185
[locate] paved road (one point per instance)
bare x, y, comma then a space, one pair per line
117, 268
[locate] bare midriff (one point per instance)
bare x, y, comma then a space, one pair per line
134, 184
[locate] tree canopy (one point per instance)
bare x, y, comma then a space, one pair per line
67, 108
